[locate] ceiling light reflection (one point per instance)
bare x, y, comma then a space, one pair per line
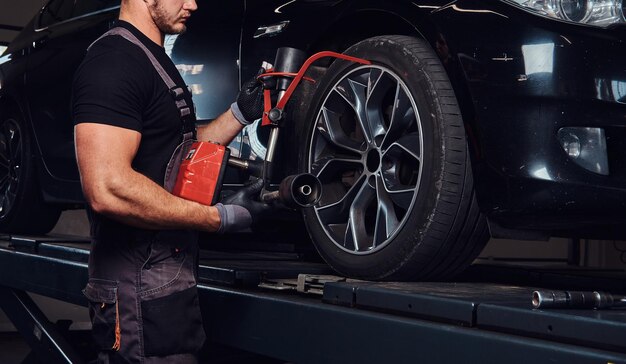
611, 90
538, 58
190, 69
542, 173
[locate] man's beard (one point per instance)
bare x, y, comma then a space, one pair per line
159, 17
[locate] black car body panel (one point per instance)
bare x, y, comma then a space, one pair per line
49, 52
518, 78
523, 175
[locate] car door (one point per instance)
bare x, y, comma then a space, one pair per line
64, 30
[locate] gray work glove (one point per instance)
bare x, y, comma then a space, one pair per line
238, 212
249, 105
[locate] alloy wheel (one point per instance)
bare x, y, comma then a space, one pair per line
367, 149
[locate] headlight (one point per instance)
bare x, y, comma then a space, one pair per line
593, 12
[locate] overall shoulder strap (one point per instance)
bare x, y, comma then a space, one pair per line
176, 91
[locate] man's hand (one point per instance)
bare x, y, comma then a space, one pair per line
249, 105
239, 211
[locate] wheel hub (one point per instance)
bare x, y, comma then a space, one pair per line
373, 160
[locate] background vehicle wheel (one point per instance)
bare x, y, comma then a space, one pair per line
388, 143
21, 207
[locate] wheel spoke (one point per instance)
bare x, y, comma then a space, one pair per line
402, 198
401, 173
400, 177
410, 144
402, 118
339, 212
356, 233
381, 83
386, 218
329, 126
348, 239
354, 93
331, 165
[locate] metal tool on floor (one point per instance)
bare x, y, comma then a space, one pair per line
577, 299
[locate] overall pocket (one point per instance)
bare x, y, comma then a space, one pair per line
104, 313
163, 270
172, 324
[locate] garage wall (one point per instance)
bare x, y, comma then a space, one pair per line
610, 254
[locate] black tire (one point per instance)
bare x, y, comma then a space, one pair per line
22, 209
398, 201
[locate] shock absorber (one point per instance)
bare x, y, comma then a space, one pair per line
288, 60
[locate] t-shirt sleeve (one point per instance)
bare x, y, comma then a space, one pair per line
108, 88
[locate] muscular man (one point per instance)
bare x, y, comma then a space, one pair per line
142, 266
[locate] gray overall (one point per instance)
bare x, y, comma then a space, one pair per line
142, 292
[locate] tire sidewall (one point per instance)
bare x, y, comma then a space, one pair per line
412, 69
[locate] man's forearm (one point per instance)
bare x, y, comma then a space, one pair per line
221, 130
140, 202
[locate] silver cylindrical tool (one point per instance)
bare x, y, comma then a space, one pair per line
576, 299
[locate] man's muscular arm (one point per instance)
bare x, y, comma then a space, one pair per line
114, 189
221, 130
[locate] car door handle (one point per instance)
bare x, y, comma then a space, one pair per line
269, 30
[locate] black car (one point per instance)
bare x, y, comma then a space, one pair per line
476, 118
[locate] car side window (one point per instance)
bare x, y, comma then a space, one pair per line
57, 11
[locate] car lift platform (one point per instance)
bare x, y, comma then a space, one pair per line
276, 305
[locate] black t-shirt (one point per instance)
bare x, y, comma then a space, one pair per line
116, 84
